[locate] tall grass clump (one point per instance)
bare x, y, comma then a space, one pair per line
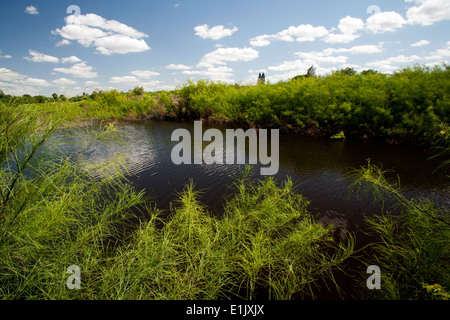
53, 214
265, 246
412, 249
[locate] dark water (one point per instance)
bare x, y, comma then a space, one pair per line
317, 166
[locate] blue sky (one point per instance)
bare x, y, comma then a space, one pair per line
161, 44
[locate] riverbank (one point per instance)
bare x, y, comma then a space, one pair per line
408, 106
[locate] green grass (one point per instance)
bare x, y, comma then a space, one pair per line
413, 249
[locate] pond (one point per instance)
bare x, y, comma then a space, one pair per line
317, 166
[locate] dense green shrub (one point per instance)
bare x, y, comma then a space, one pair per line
410, 101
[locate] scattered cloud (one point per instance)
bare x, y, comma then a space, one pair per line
393, 63
6, 56
363, 49
119, 43
62, 82
151, 85
301, 33
385, 22
107, 36
91, 83
40, 57
222, 74
18, 84
71, 59
420, 43
178, 67
350, 24
223, 55
428, 12
325, 61
31, 10
349, 27
144, 73
215, 33
35, 82
124, 80
63, 42
78, 70
440, 55
261, 41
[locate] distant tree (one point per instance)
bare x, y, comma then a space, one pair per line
138, 91
94, 95
62, 97
369, 72
39, 99
299, 77
1, 94
55, 96
348, 71
311, 73
26, 98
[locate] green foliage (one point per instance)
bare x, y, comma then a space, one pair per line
138, 91
338, 136
348, 71
412, 250
408, 103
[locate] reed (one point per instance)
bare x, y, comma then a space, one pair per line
412, 248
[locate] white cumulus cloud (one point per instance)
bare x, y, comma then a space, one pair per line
63, 82
71, 59
178, 67
40, 57
107, 36
428, 12
223, 55
393, 63
385, 22
31, 10
349, 27
215, 33
144, 73
420, 43
78, 70
124, 79
222, 74
300, 33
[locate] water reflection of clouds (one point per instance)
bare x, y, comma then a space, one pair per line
135, 153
